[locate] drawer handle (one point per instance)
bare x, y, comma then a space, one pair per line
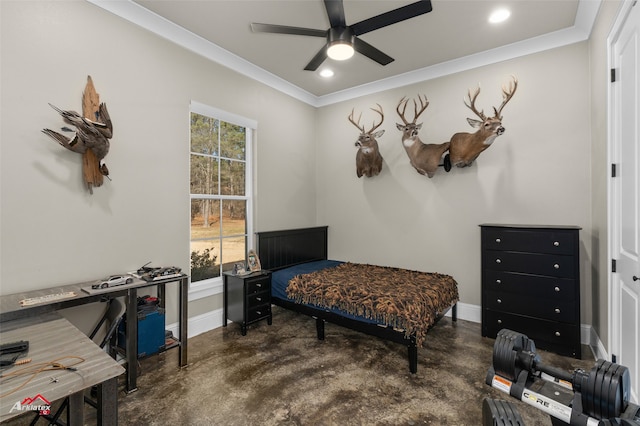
556, 266
499, 321
556, 289
556, 244
259, 285
557, 334
498, 240
259, 299
259, 312
498, 281
557, 310
499, 301
498, 261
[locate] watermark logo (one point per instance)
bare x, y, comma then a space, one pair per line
37, 403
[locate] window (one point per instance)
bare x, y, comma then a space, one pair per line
221, 195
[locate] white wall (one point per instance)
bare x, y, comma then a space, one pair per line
53, 231
536, 173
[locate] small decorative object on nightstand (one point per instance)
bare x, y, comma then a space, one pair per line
247, 298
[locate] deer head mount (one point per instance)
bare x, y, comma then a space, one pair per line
466, 147
425, 158
368, 158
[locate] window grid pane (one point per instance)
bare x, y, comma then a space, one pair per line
219, 231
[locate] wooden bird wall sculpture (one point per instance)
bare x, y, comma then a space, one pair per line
93, 129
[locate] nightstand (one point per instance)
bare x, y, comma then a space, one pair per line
247, 298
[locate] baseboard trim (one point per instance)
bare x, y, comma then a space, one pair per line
211, 320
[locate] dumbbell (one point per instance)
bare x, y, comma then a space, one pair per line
604, 390
500, 413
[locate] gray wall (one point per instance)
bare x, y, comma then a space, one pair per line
548, 167
537, 172
53, 232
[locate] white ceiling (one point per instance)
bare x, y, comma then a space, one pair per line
455, 36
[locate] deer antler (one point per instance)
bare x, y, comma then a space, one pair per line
379, 111
361, 128
472, 103
423, 105
404, 101
373, 126
507, 94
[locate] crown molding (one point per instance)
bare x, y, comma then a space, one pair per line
136, 14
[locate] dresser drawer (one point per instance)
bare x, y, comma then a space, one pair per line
538, 241
561, 338
258, 312
258, 285
530, 306
533, 263
551, 288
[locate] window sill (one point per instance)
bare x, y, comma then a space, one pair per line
205, 289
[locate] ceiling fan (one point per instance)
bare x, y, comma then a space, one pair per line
342, 39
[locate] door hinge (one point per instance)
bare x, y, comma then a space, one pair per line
613, 265
613, 75
614, 170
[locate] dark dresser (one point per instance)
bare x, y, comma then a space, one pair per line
531, 284
247, 298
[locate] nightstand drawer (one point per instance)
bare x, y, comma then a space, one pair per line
537, 241
533, 263
258, 299
258, 312
551, 288
258, 285
554, 310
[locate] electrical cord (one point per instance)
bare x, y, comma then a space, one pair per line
34, 369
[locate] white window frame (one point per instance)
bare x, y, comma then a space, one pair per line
212, 286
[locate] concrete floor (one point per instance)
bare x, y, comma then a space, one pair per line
282, 375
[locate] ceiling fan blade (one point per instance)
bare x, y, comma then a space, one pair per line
317, 60
371, 52
394, 16
283, 29
335, 11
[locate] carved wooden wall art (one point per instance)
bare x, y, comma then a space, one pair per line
93, 129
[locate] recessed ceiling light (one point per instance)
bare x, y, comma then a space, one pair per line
499, 15
326, 73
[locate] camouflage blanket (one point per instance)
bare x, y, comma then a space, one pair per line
404, 299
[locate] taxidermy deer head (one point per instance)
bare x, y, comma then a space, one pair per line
466, 147
368, 158
425, 158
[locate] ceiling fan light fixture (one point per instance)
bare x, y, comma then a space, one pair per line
340, 50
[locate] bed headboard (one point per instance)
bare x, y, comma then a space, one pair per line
280, 249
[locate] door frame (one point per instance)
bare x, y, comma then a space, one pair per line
614, 341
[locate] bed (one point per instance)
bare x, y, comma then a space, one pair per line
298, 261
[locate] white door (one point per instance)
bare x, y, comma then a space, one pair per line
625, 194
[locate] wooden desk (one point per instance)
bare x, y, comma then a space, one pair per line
51, 337
10, 309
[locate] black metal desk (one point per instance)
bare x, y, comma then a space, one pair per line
10, 309
51, 337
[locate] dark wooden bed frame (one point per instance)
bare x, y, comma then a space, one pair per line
282, 249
